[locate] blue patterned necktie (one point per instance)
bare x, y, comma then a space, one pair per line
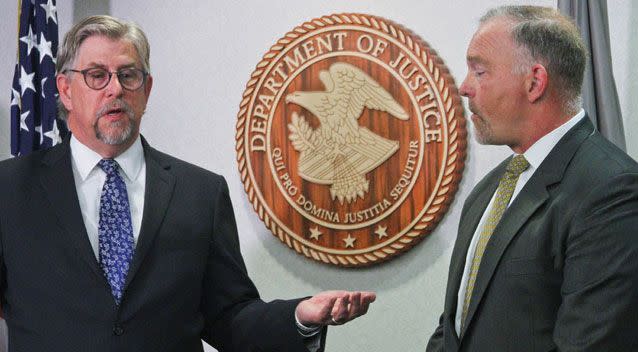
115, 231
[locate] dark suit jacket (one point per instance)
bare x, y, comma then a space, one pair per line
561, 269
187, 280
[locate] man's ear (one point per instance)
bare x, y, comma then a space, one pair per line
64, 90
536, 83
148, 85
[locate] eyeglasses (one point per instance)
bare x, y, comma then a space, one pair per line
97, 78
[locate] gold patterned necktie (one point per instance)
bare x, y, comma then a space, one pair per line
504, 192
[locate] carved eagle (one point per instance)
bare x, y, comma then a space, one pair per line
349, 149
348, 91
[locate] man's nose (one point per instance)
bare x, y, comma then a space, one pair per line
114, 87
465, 89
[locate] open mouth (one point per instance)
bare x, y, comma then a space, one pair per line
115, 111
115, 114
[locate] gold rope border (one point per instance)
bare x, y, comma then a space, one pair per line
456, 140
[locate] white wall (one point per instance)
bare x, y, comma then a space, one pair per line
623, 21
202, 55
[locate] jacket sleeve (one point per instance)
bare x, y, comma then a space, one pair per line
599, 309
236, 319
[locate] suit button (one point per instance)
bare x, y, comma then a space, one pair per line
118, 330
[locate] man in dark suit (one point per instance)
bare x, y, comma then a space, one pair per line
107, 244
546, 257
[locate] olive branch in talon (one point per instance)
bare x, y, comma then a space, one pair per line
302, 136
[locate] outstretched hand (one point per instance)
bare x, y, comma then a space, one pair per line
333, 307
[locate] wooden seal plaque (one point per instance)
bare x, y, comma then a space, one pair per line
350, 139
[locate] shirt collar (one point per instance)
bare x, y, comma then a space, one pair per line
539, 150
130, 162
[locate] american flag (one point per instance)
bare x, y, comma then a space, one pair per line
34, 123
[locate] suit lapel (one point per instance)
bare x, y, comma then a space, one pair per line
513, 219
57, 181
159, 189
531, 197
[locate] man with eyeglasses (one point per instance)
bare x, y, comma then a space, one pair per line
132, 249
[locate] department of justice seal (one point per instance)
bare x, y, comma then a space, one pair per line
350, 139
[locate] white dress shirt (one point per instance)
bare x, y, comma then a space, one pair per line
89, 180
535, 156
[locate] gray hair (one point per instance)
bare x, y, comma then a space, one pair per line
551, 39
107, 26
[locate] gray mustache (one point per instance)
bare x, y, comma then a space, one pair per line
115, 104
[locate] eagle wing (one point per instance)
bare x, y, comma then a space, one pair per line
353, 91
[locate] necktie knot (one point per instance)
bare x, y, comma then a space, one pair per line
109, 166
517, 165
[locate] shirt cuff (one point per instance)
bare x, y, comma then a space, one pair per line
307, 331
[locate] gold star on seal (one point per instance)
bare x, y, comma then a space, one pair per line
315, 233
381, 231
349, 241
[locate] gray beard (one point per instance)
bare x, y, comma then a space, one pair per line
483, 133
116, 138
